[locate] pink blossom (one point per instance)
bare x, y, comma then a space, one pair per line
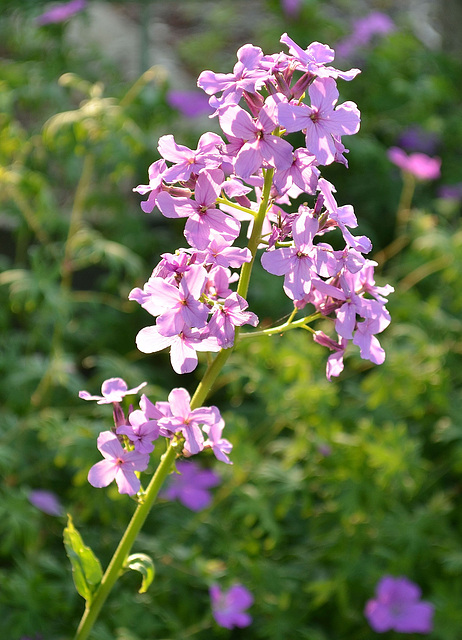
188, 421
322, 121
258, 142
113, 390
188, 161
419, 165
61, 12
118, 464
183, 346
247, 76
229, 315
205, 221
141, 431
314, 58
220, 446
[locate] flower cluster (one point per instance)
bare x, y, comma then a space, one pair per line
221, 184
127, 447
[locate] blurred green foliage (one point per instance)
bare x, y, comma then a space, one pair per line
333, 484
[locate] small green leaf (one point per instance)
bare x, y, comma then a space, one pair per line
86, 568
142, 563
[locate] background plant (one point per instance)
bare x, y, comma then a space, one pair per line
318, 531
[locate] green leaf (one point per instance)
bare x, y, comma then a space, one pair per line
142, 563
86, 568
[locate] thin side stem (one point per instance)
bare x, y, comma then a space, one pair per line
282, 328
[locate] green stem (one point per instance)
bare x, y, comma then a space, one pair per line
76, 219
282, 328
118, 559
254, 241
229, 203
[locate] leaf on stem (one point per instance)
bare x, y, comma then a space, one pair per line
86, 568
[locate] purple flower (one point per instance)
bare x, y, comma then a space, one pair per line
451, 191
205, 221
296, 262
113, 390
418, 164
322, 121
188, 420
61, 12
364, 30
417, 139
229, 315
190, 103
190, 486
46, 501
256, 140
228, 606
118, 464
220, 446
291, 7
397, 607
187, 161
141, 431
247, 76
183, 346
313, 59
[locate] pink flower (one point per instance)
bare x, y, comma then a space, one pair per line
397, 607
113, 390
323, 122
61, 12
419, 165
118, 464
188, 420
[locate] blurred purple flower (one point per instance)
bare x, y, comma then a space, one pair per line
228, 606
46, 501
364, 30
189, 103
418, 164
397, 607
61, 12
291, 8
417, 139
190, 486
451, 191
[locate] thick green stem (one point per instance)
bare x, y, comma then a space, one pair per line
254, 241
118, 559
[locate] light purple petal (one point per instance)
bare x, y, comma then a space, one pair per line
102, 473
149, 340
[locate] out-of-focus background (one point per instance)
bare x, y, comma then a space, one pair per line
334, 484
